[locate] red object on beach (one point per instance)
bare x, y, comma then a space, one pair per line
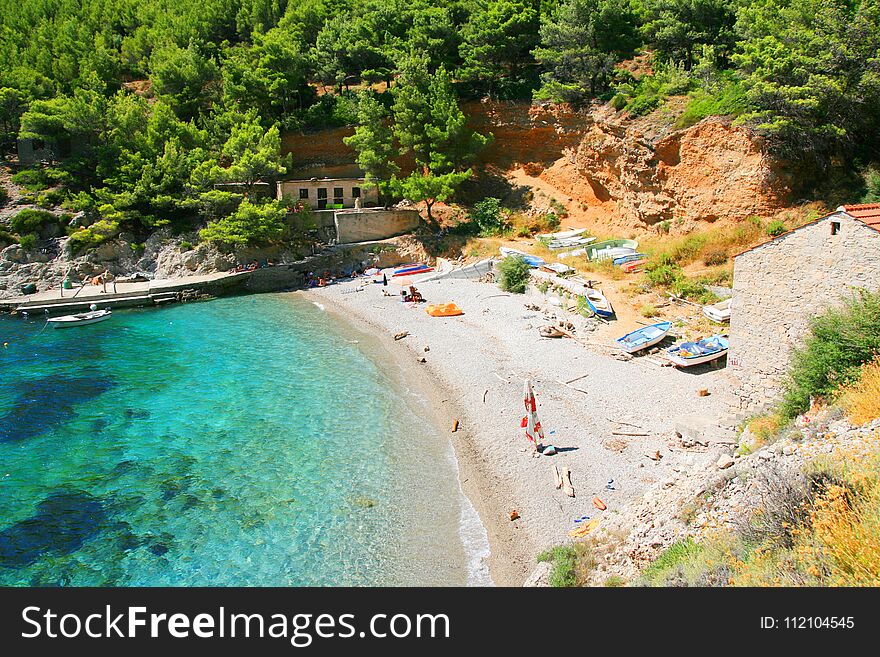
630, 267
599, 504
534, 431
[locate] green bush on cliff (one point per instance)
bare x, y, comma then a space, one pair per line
840, 341
251, 224
31, 221
514, 272
95, 235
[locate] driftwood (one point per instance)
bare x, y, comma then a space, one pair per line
577, 378
629, 424
680, 300
401, 335
566, 482
486, 392
557, 478
629, 433
455, 426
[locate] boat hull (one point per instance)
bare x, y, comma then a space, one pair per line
631, 346
72, 320
718, 312
600, 306
679, 360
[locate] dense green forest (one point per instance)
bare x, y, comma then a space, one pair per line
163, 99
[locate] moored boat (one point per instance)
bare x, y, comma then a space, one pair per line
688, 354
80, 319
718, 312
644, 337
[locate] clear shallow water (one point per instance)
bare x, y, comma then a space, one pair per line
244, 441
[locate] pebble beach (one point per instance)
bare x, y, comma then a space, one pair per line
606, 417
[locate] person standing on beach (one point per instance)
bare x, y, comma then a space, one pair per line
384, 279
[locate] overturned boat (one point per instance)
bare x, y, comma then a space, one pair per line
718, 312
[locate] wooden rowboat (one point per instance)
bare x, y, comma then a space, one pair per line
688, 354
598, 303
644, 338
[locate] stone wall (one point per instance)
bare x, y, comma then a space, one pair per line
780, 285
374, 224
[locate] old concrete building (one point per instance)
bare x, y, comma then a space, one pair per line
783, 283
345, 209
329, 193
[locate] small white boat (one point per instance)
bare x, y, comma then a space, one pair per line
718, 312
80, 319
598, 303
644, 338
558, 268
562, 235
688, 354
611, 249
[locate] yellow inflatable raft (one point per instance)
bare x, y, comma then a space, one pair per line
444, 310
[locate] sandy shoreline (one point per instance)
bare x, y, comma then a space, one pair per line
473, 372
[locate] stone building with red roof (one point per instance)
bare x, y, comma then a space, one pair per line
781, 284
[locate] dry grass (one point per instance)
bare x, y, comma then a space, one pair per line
862, 398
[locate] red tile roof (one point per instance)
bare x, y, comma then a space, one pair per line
867, 213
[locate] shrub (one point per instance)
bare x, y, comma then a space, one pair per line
570, 564
4, 196
729, 101
7, 237
841, 340
33, 180
648, 311
95, 235
31, 221
51, 198
487, 216
658, 571
664, 271
862, 397
514, 272
715, 258
249, 224
690, 288
776, 228
543, 286
28, 241
872, 186
664, 226
186, 246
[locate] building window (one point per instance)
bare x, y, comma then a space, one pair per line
338, 196
303, 193
355, 192
835, 227
322, 198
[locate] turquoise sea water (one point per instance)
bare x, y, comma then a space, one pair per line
245, 441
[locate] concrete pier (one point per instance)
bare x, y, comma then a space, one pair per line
148, 293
